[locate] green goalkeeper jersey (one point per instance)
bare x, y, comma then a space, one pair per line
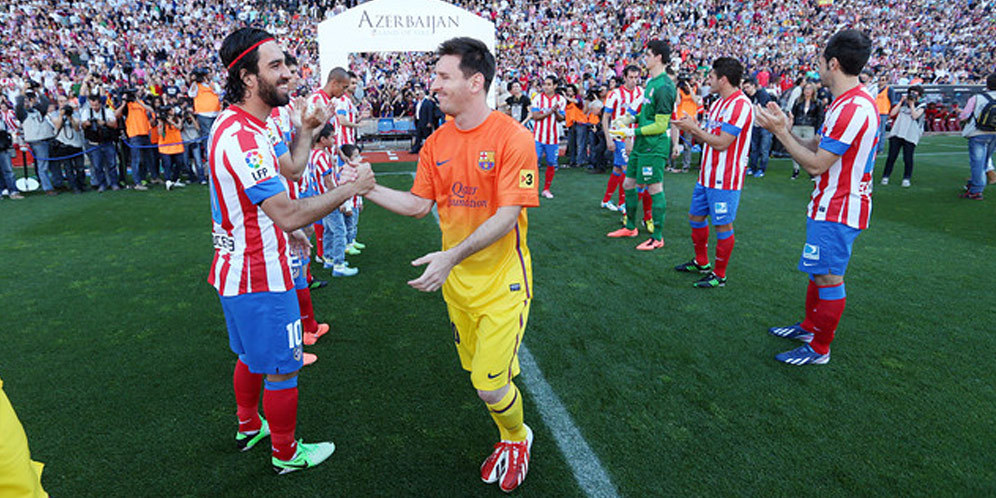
658, 99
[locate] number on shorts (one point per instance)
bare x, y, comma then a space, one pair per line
294, 334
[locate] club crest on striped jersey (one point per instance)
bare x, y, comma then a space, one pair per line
486, 160
254, 159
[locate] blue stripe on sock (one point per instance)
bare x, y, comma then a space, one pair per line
290, 383
833, 293
698, 224
724, 235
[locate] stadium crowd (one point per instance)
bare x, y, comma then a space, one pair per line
69, 50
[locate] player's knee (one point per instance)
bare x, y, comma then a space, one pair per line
723, 228
696, 219
281, 377
492, 397
828, 279
629, 184
656, 188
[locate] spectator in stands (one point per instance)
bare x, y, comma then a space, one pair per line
905, 133
760, 140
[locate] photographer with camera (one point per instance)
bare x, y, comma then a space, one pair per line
169, 123
190, 132
32, 111
100, 129
68, 145
137, 129
689, 103
905, 132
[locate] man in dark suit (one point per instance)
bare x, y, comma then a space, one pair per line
427, 116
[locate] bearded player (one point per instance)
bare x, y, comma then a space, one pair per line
252, 215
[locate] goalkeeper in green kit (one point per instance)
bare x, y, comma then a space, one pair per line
652, 144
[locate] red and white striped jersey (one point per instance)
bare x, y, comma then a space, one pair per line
545, 131
843, 193
250, 251
10, 119
621, 100
320, 98
344, 107
320, 165
725, 169
281, 116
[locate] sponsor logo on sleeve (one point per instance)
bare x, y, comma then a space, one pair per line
527, 178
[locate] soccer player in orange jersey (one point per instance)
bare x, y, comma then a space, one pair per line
479, 169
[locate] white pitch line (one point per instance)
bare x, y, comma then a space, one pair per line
587, 468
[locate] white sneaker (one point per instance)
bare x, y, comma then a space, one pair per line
169, 184
180, 184
610, 206
885, 181
906, 183
344, 271
547, 194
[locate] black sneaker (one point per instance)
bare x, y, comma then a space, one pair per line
693, 267
710, 281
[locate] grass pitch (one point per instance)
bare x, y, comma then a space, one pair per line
115, 356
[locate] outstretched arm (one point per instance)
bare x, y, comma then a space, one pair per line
400, 202
441, 262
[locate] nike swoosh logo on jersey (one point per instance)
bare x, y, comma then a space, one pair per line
440, 163
495, 376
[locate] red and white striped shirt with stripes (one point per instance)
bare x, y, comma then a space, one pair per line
321, 166
622, 100
344, 107
320, 98
250, 251
10, 119
843, 193
725, 169
545, 131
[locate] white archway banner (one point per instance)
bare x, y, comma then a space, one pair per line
397, 26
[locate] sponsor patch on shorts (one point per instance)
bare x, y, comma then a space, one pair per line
648, 171
721, 208
810, 251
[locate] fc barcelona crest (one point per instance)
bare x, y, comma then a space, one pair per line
486, 160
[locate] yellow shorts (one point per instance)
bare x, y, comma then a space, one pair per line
488, 343
19, 476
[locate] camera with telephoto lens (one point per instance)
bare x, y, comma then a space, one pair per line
684, 80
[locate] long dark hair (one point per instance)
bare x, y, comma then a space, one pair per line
232, 47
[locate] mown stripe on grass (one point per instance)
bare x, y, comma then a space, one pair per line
585, 465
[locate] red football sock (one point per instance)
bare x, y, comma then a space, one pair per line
247, 386
724, 248
307, 310
827, 315
319, 232
622, 191
280, 407
700, 239
812, 298
614, 181
648, 205
307, 269
550, 171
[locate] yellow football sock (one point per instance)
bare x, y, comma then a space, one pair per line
507, 415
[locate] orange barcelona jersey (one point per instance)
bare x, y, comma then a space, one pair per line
470, 174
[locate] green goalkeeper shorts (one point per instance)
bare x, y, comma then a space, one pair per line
646, 169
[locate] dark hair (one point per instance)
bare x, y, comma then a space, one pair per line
916, 88
232, 47
338, 73
991, 82
351, 74
513, 82
749, 81
550, 78
851, 48
348, 149
730, 68
629, 69
474, 57
661, 48
289, 59
325, 132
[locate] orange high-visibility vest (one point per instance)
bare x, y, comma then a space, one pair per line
137, 123
206, 100
882, 101
171, 136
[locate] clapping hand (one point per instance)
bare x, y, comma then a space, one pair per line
771, 117
313, 117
